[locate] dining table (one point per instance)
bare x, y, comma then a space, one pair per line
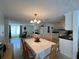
41, 49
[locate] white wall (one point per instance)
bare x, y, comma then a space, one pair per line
29, 28
6, 29
1, 27
44, 30
59, 25
75, 33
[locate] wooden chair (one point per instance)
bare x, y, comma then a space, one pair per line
31, 54
42, 36
27, 52
53, 38
56, 40
54, 52
48, 36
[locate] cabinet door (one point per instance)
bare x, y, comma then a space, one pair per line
65, 47
69, 21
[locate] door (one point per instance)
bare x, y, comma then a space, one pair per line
15, 30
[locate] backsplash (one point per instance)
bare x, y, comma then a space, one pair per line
66, 34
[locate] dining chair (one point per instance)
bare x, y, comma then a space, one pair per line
27, 52
48, 36
54, 52
31, 53
53, 38
42, 36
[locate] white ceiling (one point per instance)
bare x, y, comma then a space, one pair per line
48, 10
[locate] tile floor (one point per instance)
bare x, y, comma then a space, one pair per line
18, 49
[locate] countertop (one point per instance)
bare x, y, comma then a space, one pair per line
65, 37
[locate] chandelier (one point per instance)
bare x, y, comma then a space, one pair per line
35, 21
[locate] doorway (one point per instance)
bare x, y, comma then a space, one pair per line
14, 31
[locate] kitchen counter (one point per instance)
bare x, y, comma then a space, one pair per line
66, 37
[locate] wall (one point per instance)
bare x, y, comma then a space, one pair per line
44, 29
51, 25
1, 27
75, 33
6, 29
29, 28
59, 25
4, 36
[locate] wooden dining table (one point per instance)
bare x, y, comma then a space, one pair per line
41, 49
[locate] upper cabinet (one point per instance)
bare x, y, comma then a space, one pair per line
69, 21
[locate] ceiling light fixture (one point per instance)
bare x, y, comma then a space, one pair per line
35, 19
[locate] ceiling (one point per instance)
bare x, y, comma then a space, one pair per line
47, 10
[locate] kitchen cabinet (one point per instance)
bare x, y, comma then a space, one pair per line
65, 47
69, 21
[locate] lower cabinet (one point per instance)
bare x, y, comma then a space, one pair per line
66, 47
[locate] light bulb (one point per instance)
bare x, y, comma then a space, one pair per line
35, 20
31, 21
38, 22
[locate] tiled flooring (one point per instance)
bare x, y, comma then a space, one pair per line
18, 50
